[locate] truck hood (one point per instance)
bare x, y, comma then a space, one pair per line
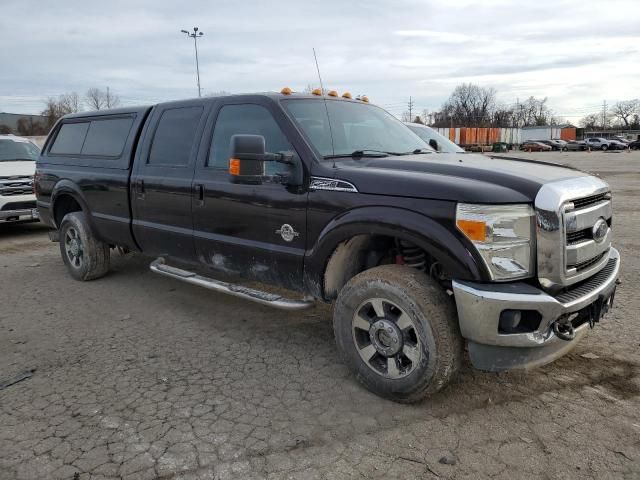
457, 177
18, 169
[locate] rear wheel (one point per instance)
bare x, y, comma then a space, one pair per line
85, 257
397, 330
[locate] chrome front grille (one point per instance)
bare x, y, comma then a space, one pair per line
580, 217
16, 185
569, 250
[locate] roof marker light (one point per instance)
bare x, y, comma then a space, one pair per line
316, 91
364, 99
286, 91
332, 93
346, 95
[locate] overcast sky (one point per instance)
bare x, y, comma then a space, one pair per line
575, 53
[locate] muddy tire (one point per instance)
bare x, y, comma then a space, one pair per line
85, 257
398, 331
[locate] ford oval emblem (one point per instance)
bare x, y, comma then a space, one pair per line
599, 230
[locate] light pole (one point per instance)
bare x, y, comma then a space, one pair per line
195, 35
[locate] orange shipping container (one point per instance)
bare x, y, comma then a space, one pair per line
568, 134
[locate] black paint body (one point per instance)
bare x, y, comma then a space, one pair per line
198, 215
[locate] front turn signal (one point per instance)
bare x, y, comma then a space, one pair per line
473, 230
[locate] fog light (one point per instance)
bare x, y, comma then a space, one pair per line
509, 321
519, 321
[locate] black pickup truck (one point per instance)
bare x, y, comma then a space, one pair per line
335, 199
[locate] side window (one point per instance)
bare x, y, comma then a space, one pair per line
246, 119
106, 138
173, 139
70, 139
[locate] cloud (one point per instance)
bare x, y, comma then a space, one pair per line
388, 50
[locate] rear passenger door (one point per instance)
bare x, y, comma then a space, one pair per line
161, 183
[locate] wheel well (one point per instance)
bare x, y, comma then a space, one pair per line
362, 252
64, 204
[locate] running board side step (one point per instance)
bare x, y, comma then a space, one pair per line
258, 296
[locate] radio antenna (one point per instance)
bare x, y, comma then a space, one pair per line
333, 150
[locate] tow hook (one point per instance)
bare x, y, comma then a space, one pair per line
564, 330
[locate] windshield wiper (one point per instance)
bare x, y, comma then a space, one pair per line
17, 159
364, 153
418, 150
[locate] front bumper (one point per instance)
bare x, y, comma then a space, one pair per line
22, 214
480, 305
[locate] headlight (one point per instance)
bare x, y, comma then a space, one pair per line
503, 235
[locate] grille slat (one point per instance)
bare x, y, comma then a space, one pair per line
16, 185
583, 288
576, 237
590, 200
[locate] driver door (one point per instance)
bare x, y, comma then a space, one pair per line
254, 231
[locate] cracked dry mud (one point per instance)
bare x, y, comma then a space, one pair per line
141, 377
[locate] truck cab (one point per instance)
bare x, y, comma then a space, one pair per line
335, 200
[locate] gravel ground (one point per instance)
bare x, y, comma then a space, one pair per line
138, 376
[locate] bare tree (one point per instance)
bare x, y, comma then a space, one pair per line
60, 106
591, 121
470, 105
625, 111
69, 102
405, 116
94, 99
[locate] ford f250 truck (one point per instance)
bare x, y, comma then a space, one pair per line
334, 198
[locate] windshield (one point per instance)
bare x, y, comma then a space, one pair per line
444, 144
11, 150
355, 127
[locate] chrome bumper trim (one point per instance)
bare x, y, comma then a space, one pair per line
479, 307
26, 212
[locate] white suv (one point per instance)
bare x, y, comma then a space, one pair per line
17, 167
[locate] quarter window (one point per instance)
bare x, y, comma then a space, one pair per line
70, 139
173, 139
250, 120
106, 138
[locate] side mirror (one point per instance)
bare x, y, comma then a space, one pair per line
248, 155
433, 143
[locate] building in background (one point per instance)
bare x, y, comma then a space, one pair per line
23, 124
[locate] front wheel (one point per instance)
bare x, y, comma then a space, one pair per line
604, 148
85, 256
565, 149
397, 330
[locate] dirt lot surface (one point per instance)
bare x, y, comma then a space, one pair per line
138, 376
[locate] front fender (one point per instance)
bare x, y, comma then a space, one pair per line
446, 245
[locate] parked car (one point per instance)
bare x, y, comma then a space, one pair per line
535, 146
338, 200
439, 143
635, 145
17, 167
596, 143
575, 145
555, 144
476, 147
617, 145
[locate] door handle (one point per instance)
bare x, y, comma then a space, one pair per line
198, 191
140, 188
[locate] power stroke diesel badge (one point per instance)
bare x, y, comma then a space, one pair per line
287, 232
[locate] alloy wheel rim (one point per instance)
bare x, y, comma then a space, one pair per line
386, 338
73, 247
